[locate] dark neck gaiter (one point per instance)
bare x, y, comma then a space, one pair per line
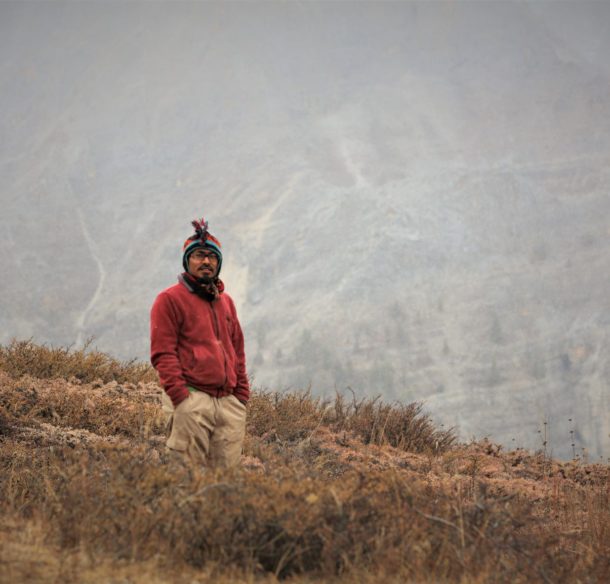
207, 288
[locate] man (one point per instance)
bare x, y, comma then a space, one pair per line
197, 347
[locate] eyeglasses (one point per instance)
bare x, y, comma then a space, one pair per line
199, 256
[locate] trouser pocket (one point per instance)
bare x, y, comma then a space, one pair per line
180, 425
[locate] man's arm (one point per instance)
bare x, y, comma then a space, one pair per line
164, 331
242, 390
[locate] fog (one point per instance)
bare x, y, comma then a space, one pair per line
412, 197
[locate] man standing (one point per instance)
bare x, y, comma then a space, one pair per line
197, 347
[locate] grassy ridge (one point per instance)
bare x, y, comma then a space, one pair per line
27, 358
333, 490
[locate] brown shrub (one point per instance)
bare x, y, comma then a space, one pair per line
106, 411
261, 523
296, 415
306, 513
277, 416
400, 425
284, 416
27, 358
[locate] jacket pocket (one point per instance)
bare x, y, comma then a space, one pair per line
209, 364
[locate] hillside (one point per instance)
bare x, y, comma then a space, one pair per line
412, 196
340, 491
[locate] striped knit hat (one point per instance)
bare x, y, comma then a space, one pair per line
202, 239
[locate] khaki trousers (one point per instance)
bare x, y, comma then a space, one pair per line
207, 429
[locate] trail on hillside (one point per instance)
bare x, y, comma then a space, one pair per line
91, 246
351, 165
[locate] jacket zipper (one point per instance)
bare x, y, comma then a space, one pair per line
217, 332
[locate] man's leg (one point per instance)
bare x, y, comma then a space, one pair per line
191, 425
228, 437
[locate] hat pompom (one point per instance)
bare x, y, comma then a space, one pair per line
201, 228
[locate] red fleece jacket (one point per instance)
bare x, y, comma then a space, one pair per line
197, 343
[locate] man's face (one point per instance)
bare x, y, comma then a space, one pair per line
203, 263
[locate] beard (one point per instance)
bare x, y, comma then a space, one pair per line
205, 280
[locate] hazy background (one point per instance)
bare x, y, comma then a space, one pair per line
413, 198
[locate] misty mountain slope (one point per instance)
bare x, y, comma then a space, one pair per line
412, 198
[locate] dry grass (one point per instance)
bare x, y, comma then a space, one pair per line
27, 358
105, 410
374, 422
332, 491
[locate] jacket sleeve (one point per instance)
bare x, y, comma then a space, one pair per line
164, 330
242, 390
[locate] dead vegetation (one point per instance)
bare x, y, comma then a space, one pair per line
373, 422
27, 358
329, 490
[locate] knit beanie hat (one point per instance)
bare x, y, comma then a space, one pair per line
202, 239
